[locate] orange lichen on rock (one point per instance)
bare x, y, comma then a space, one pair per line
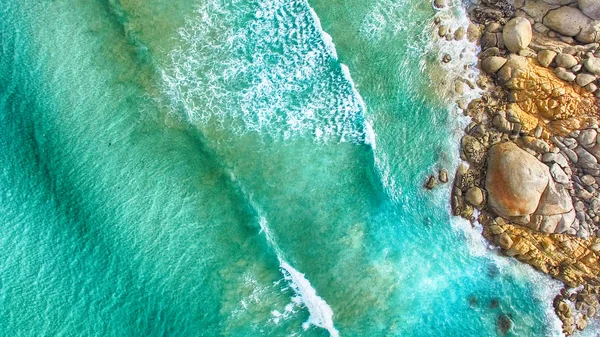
539, 97
573, 260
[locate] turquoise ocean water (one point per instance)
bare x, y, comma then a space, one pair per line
237, 168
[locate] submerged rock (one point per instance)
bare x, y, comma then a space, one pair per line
504, 323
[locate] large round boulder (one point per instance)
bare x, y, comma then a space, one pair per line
515, 180
517, 34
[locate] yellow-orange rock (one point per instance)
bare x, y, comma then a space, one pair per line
541, 98
564, 257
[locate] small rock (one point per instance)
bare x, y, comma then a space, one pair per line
442, 31
556, 158
459, 34
584, 79
564, 75
545, 57
592, 64
443, 176
558, 174
504, 241
576, 68
493, 27
591, 311
430, 184
493, 51
565, 60
475, 196
582, 322
446, 58
591, 87
473, 33
440, 3
492, 64
587, 137
588, 180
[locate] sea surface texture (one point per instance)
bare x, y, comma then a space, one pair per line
237, 168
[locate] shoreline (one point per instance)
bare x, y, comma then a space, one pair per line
532, 172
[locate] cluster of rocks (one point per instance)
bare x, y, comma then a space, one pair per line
574, 162
431, 180
532, 151
576, 307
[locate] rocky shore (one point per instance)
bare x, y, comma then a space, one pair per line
531, 155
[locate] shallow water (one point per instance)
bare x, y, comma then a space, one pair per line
212, 168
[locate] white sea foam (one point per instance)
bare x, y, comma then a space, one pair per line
320, 313
270, 73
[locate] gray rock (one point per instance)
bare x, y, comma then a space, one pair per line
540, 28
583, 233
492, 64
591, 8
592, 64
565, 60
558, 174
555, 200
549, 223
535, 144
595, 205
589, 33
567, 21
584, 156
569, 142
587, 137
584, 79
565, 222
517, 34
570, 154
583, 194
489, 40
564, 75
591, 87
545, 57
588, 180
576, 68
555, 158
